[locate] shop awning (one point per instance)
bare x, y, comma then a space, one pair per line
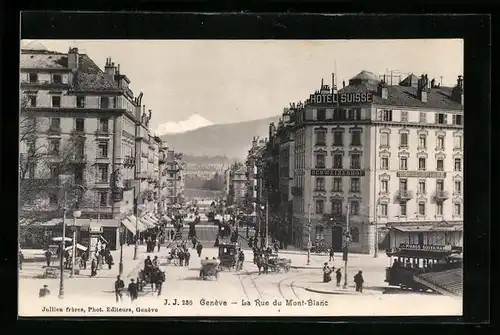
129, 225
148, 224
426, 228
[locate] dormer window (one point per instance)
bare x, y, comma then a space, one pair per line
321, 114
56, 79
33, 78
104, 102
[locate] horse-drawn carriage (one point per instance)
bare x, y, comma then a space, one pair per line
228, 254
209, 269
277, 264
154, 277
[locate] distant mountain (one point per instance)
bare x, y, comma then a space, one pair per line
195, 121
231, 140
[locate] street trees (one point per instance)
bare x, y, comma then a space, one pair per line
46, 170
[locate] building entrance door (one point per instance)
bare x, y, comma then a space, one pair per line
337, 238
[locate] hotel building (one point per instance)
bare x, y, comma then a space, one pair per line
388, 158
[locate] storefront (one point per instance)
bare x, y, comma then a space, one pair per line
426, 233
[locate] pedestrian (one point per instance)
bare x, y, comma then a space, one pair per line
338, 275
109, 260
48, 257
66, 259
21, 259
119, 286
93, 268
84, 258
358, 280
171, 234
156, 262
331, 254
133, 290
187, 256
241, 259
199, 249
181, 257
158, 244
44, 291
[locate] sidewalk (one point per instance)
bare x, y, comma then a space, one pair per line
331, 288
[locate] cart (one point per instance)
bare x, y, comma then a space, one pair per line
209, 269
227, 254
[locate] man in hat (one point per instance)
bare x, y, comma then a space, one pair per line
133, 290
44, 291
119, 286
358, 280
327, 273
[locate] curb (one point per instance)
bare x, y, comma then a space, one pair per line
306, 267
331, 292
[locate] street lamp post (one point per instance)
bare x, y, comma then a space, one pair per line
120, 266
267, 223
63, 246
76, 215
346, 246
309, 235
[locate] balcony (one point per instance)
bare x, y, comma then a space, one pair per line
404, 195
54, 131
441, 196
127, 184
129, 161
77, 132
78, 159
102, 132
297, 191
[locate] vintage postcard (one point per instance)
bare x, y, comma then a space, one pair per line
241, 177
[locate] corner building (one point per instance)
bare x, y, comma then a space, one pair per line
390, 155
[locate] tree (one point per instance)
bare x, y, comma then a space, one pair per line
44, 171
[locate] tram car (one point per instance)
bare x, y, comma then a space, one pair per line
409, 261
227, 254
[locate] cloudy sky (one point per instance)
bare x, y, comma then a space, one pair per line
230, 81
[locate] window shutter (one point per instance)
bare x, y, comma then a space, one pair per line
390, 115
454, 119
445, 118
436, 117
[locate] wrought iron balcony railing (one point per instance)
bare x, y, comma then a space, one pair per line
440, 196
404, 195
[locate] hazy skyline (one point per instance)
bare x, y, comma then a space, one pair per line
231, 81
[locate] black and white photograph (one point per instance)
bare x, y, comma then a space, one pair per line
241, 177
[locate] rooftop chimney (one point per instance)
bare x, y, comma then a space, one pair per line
433, 83
383, 90
457, 94
118, 69
343, 83
110, 68
422, 89
73, 59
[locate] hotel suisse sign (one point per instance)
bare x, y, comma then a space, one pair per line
421, 174
337, 173
341, 98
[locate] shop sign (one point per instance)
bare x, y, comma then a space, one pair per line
421, 174
426, 247
338, 173
95, 229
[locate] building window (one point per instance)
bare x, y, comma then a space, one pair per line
384, 186
422, 117
79, 149
80, 102
458, 120
403, 185
404, 116
320, 184
439, 209
320, 233
54, 146
56, 101
384, 163
457, 142
53, 200
354, 207
337, 207
383, 209
338, 137
355, 184
441, 118
440, 164
321, 114
402, 209
337, 184
355, 235
458, 186
103, 198
55, 123
31, 170
386, 115
384, 140
104, 102
338, 114
403, 140
321, 137
421, 164
422, 142
103, 173
458, 164
103, 149
421, 187
354, 114
32, 100
320, 206
104, 125
54, 172
80, 124
440, 143
320, 160
457, 209
79, 176
33, 77
355, 161
403, 163
421, 208
56, 78
337, 161
356, 137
